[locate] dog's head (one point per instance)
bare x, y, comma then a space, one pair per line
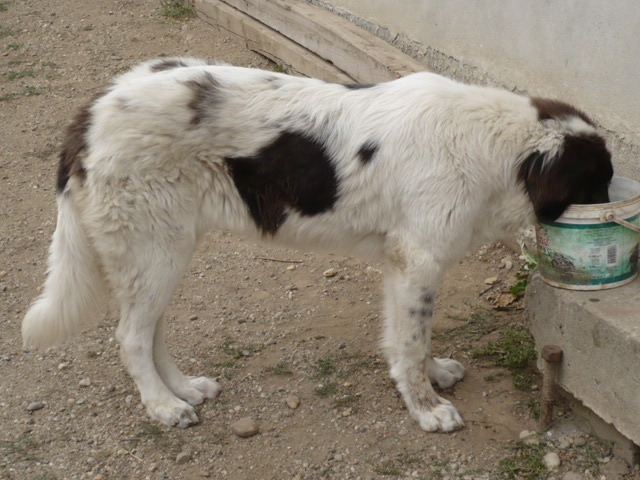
577, 170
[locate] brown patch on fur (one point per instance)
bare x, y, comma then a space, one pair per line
554, 109
167, 65
205, 95
75, 146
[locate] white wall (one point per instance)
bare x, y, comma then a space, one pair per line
586, 52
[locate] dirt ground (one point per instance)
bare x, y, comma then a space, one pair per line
269, 323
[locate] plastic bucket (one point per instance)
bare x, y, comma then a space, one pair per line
593, 247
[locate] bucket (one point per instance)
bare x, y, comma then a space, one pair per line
593, 247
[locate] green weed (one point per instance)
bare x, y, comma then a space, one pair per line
176, 9
525, 462
476, 326
327, 390
389, 470
26, 92
279, 369
240, 351
13, 75
22, 447
513, 350
325, 366
345, 401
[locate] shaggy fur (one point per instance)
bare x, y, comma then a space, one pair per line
413, 172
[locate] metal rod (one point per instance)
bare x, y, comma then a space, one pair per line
551, 356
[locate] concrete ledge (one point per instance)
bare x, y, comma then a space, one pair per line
599, 333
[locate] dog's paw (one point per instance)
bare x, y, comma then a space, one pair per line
174, 413
195, 390
445, 372
443, 417
206, 387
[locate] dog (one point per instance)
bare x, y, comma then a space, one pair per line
413, 172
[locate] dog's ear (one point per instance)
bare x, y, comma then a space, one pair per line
578, 172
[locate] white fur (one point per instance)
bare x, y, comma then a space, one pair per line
442, 180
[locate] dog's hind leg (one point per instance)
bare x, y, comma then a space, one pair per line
191, 389
410, 291
144, 277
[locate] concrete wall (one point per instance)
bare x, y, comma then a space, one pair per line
586, 52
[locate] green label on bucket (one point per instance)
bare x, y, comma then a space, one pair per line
587, 254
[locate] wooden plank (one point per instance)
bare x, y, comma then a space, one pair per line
352, 49
266, 41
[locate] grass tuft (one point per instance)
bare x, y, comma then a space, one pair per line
525, 462
177, 9
279, 369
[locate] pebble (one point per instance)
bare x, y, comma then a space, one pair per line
332, 272
193, 317
506, 263
291, 268
183, 457
245, 427
34, 406
293, 402
491, 280
572, 476
551, 461
564, 443
579, 441
85, 382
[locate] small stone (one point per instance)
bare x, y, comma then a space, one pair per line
293, 402
291, 268
245, 427
564, 443
332, 272
32, 407
85, 382
183, 457
529, 438
193, 317
63, 366
579, 441
347, 412
506, 263
551, 461
572, 476
491, 280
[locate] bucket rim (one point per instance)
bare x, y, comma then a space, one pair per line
582, 211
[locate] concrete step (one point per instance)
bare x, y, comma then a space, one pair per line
599, 333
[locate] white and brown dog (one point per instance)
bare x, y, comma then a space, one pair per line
413, 172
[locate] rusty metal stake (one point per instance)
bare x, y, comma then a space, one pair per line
552, 356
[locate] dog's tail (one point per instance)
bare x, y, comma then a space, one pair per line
74, 289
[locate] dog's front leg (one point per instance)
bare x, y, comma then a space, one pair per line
409, 295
